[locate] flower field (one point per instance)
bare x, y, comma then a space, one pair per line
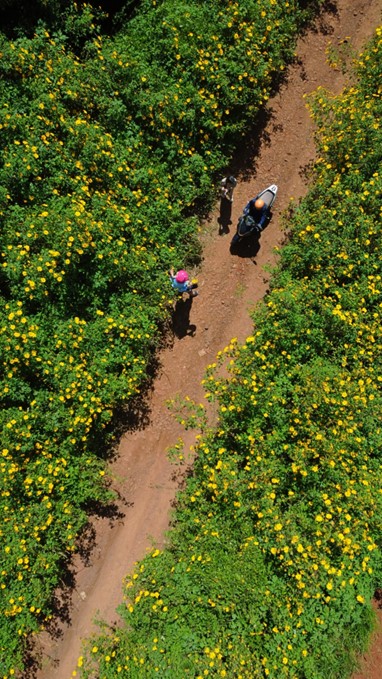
110, 144
275, 551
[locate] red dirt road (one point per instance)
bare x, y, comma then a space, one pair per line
229, 286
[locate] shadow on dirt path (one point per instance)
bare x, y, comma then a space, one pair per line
281, 152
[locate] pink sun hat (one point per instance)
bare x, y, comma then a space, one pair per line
181, 276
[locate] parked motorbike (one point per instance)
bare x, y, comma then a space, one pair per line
252, 222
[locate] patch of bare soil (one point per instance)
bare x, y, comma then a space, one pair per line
229, 286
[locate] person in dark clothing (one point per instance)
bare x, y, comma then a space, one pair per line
227, 187
257, 209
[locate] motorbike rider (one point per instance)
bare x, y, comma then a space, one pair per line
257, 209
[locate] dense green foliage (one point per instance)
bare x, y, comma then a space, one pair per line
108, 145
276, 546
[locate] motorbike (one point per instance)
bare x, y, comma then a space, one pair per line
249, 225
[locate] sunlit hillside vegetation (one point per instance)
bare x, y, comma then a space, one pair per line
110, 144
275, 551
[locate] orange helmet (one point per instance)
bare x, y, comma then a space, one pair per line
259, 203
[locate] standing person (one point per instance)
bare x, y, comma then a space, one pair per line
180, 282
227, 187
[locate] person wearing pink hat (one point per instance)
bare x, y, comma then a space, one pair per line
180, 281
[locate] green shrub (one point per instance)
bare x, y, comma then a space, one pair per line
275, 549
110, 146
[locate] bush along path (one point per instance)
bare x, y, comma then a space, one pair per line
228, 286
275, 550
106, 148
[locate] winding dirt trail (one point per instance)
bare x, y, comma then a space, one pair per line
229, 287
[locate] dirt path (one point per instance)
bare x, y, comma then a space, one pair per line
229, 287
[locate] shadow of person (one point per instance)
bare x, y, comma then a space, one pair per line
181, 318
224, 219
